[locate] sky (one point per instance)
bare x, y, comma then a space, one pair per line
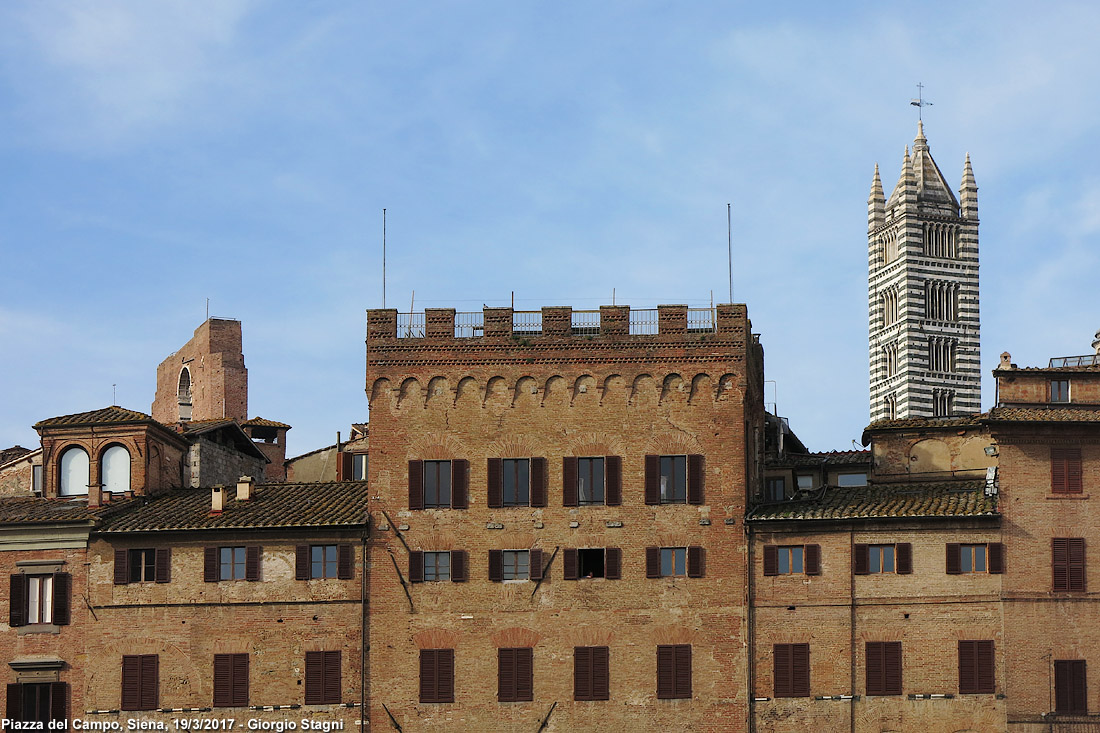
157, 154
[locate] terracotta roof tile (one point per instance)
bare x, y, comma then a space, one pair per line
825, 458
10, 454
36, 510
106, 416
259, 422
927, 422
886, 501
1043, 414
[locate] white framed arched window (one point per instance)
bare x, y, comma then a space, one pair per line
74, 472
114, 469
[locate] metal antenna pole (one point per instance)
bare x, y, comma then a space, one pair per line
383, 258
729, 244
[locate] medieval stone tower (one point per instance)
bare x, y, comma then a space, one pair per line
922, 289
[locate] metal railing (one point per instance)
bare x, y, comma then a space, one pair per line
469, 325
586, 323
644, 322
411, 325
701, 320
1074, 361
527, 323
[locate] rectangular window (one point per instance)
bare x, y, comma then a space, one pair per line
851, 479
142, 565
36, 480
896, 558
792, 560
517, 564
223, 563
39, 702
805, 481
1059, 390
883, 667
590, 480
775, 488
359, 463
437, 566
789, 560
1065, 470
792, 670
671, 562
230, 680
1070, 687
673, 671
515, 675
880, 559
437, 484
323, 561
1068, 564
516, 477
591, 673
591, 562
975, 558
322, 678
39, 599
231, 563
140, 680
673, 479
976, 665
972, 558
437, 675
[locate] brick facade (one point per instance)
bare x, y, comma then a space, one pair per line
218, 378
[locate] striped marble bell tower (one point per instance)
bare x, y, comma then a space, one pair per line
922, 288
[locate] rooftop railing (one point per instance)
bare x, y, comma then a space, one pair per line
1074, 361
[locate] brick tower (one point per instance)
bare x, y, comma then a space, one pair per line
922, 289
206, 378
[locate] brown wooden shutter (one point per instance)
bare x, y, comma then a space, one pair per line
696, 479
525, 674
666, 672
811, 559
1070, 686
445, 674
1080, 689
996, 557
131, 682
496, 566
59, 701
904, 556
223, 680
62, 598
613, 483
954, 559
1076, 565
582, 673
344, 469
345, 562
538, 481
986, 667
612, 564
874, 668
162, 564
781, 670
800, 670
460, 484
1059, 563
416, 566
210, 565
122, 568
653, 562
892, 665
968, 668
150, 681
301, 562
1058, 470
696, 561
459, 565
494, 484
506, 675
314, 678
252, 562
771, 560
652, 479
14, 708
331, 686
240, 679
416, 484
535, 566
601, 673
429, 676
1073, 470
683, 670
17, 600
569, 564
569, 494
861, 561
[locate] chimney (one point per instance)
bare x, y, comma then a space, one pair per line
95, 495
217, 499
1006, 360
244, 488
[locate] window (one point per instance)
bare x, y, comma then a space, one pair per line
516, 482
74, 472
939, 240
941, 355
515, 675
437, 566
183, 394
941, 301
115, 469
359, 465
324, 561
792, 560
775, 488
231, 563
673, 671
592, 481
890, 356
322, 678
1059, 390
943, 403
1068, 563
1070, 688
591, 673
592, 562
804, 481
674, 479
1065, 470
144, 565
41, 599
890, 406
140, 680
976, 664
791, 670
890, 307
852, 479
36, 480
515, 565
437, 675
40, 702
883, 667
438, 484
981, 558
230, 680
896, 558
666, 562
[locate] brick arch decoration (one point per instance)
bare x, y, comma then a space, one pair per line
675, 635
588, 636
411, 392
555, 390
381, 391
436, 447
596, 443
436, 639
515, 447
53, 461
584, 387
180, 677
496, 391
439, 389
467, 389
517, 540
515, 636
675, 539
526, 391
726, 388
613, 386
702, 388
130, 446
432, 541
672, 386
643, 387
673, 445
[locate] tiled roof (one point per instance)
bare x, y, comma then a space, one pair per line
36, 510
201, 426
926, 422
826, 458
10, 454
259, 422
106, 416
1043, 414
340, 504
886, 501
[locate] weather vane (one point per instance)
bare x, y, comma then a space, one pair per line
920, 102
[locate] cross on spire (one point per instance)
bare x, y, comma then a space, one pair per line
920, 103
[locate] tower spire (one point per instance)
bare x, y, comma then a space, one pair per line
968, 192
876, 203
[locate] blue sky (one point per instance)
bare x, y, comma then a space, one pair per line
156, 154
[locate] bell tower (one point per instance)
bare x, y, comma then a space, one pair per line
922, 287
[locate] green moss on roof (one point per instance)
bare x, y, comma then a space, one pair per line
886, 501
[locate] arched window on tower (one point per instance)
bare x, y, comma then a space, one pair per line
183, 393
890, 354
114, 469
74, 472
890, 404
943, 402
889, 306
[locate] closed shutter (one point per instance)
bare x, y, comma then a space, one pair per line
1070, 686
781, 669
811, 558
252, 562
861, 561
331, 684
14, 708
683, 671
1073, 470
696, 479
301, 562
429, 675
131, 682
62, 596
162, 572
696, 562
122, 568
416, 567
459, 565
17, 600
892, 666
416, 484
601, 673
986, 662
59, 701
240, 679
800, 670
315, 668
569, 494
582, 673
904, 553
445, 675
1080, 688
345, 562
538, 482
1059, 563
496, 565
613, 481
494, 484
569, 564
968, 668
210, 565
666, 672
954, 558
150, 681
460, 484
223, 680
1058, 470
996, 557
771, 560
535, 566
506, 675
525, 674
875, 668
652, 479
612, 563
1076, 565
653, 562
